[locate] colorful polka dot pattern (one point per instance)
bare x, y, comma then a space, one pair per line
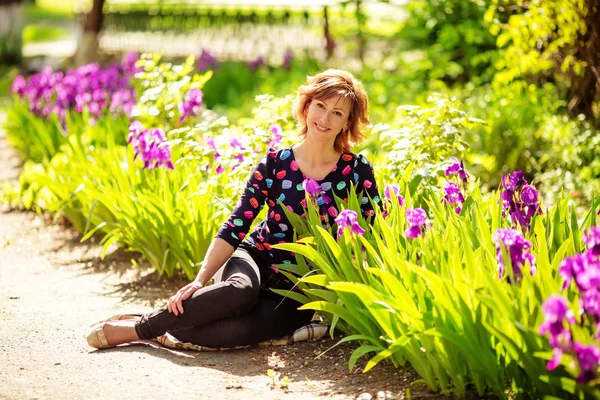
276, 181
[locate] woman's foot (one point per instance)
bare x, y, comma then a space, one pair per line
112, 333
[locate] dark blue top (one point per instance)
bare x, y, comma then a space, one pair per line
277, 177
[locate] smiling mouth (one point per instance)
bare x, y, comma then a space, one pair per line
319, 127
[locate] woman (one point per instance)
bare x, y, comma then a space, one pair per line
240, 309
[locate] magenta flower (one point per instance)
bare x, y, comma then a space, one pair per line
207, 61
588, 357
311, 187
519, 199
556, 311
584, 268
235, 143
348, 219
457, 168
518, 250
276, 135
395, 188
88, 87
591, 238
256, 63
453, 195
287, 60
417, 218
122, 102
19, 86
191, 105
150, 146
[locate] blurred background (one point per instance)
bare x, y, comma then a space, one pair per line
528, 69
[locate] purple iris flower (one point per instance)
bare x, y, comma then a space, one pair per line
312, 187
457, 168
348, 219
529, 195
287, 60
88, 87
556, 310
129, 61
207, 61
518, 250
255, 64
513, 181
122, 102
235, 143
519, 199
591, 238
191, 105
453, 195
315, 192
584, 268
276, 135
19, 86
239, 157
150, 146
417, 218
588, 357
395, 188
220, 169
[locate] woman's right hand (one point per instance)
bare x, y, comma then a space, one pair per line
174, 304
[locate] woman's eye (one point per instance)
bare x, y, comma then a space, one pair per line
339, 114
320, 105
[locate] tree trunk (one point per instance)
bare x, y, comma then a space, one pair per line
87, 48
586, 88
12, 21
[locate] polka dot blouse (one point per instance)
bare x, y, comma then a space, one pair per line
276, 178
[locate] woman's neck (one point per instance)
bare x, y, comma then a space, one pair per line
314, 153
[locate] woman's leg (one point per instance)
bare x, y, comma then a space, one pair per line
234, 295
270, 318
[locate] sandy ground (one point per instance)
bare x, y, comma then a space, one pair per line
53, 287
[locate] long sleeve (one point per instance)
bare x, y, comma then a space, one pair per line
365, 182
234, 230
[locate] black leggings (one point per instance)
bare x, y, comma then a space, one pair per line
232, 312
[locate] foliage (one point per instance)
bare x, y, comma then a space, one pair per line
442, 308
554, 40
455, 36
425, 139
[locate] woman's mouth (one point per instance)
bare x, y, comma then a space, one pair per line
320, 128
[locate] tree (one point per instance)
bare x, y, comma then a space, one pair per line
87, 48
12, 21
555, 41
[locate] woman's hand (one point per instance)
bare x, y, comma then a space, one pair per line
174, 304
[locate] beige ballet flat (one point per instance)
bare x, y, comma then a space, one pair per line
96, 337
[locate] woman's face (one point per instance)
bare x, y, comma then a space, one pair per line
326, 118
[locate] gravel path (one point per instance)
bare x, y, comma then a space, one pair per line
53, 287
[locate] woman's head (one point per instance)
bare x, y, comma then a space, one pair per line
330, 84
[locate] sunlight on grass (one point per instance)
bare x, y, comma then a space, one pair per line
57, 6
42, 33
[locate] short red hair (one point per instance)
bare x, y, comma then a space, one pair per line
328, 84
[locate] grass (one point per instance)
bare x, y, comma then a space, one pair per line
7, 74
42, 33
46, 21
56, 7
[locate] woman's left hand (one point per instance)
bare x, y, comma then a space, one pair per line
174, 304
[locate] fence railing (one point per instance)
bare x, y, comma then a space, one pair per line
226, 30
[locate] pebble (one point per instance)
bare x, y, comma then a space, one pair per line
365, 396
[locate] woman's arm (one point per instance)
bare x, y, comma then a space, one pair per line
231, 233
218, 253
